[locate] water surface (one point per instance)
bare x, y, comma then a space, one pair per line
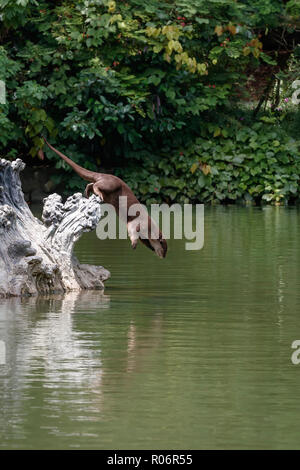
190, 352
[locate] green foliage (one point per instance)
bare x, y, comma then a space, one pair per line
241, 163
128, 84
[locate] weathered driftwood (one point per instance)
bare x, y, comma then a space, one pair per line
37, 257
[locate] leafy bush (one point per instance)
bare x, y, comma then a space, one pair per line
131, 84
245, 164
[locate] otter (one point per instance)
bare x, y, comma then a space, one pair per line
109, 188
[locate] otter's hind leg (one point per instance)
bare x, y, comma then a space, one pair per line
97, 191
88, 190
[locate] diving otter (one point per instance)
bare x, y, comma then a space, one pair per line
109, 188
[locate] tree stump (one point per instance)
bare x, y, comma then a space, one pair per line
36, 257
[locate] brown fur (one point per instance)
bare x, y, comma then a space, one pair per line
109, 188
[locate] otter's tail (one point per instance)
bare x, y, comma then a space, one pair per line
82, 172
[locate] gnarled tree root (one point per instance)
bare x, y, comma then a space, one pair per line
36, 257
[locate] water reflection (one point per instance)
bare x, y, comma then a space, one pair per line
45, 327
43, 345
53, 346
190, 352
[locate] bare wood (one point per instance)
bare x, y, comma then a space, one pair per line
38, 257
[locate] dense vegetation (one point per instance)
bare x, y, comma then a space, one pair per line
158, 92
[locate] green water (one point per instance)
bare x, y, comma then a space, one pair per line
190, 352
